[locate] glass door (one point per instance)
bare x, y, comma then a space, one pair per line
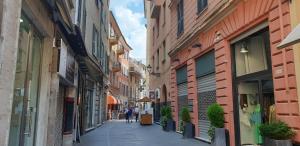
26, 87
249, 113
256, 104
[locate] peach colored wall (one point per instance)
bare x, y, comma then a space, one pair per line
245, 15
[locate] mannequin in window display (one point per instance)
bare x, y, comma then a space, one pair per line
256, 121
250, 119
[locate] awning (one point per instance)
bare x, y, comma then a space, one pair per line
111, 100
291, 39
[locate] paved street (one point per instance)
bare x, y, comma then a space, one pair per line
118, 133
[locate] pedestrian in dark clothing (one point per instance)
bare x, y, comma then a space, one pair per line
127, 115
130, 115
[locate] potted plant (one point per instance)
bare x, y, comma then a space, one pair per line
167, 121
217, 132
188, 127
277, 133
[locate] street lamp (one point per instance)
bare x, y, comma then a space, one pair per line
149, 69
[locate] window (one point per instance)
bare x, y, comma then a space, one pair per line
157, 60
153, 64
164, 11
180, 18
157, 25
79, 12
165, 51
97, 3
153, 35
202, 4
95, 42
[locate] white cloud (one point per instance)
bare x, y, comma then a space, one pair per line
130, 17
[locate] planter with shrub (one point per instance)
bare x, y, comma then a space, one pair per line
188, 127
277, 133
167, 122
218, 134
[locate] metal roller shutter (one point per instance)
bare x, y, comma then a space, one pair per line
206, 96
182, 96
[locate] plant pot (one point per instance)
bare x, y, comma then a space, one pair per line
171, 125
221, 137
164, 128
188, 130
273, 142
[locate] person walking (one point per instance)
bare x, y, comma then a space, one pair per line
136, 111
127, 115
130, 115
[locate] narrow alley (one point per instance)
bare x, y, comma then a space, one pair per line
119, 133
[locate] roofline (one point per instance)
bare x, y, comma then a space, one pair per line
118, 29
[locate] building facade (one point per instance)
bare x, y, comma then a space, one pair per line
52, 79
226, 52
158, 17
119, 89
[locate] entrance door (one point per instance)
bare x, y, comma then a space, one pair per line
26, 87
256, 98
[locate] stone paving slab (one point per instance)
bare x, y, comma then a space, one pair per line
119, 133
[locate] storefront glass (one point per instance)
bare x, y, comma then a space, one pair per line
254, 84
26, 87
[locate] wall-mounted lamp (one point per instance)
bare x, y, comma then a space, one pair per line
197, 45
151, 72
244, 49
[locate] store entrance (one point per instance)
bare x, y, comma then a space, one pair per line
253, 84
256, 104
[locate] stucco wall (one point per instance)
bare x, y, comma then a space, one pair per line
244, 16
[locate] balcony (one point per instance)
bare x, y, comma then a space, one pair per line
116, 67
155, 9
113, 39
134, 72
120, 50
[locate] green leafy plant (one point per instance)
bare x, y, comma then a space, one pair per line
168, 113
163, 121
180, 125
163, 111
215, 114
185, 115
277, 130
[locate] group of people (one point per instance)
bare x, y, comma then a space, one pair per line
129, 113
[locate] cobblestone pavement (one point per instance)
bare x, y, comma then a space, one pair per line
119, 133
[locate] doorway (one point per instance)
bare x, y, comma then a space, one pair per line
26, 86
253, 87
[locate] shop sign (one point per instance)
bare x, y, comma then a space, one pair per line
67, 64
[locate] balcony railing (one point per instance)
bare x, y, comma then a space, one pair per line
116, 67
134, 72
120, 50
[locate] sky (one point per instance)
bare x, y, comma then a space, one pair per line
130, 17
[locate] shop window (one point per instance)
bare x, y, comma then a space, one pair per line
250, 55
201, 5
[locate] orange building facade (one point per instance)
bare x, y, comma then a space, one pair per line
226, 52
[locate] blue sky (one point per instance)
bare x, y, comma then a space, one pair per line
130, 17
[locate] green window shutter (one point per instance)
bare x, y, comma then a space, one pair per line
181, 75
205, 64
